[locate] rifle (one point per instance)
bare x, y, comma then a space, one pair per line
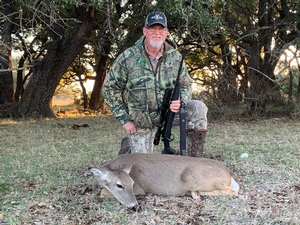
167, 118
163, 115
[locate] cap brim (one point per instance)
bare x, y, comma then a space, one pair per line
151, 24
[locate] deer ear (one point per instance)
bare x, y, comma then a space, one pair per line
99, 173
126, 168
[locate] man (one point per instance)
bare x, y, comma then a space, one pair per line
135, 85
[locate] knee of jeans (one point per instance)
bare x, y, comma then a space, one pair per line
196, 105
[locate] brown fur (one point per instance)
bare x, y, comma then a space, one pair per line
160, 174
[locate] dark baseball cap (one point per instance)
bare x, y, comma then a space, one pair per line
156, 18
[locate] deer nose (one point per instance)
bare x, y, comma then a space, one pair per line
135, 208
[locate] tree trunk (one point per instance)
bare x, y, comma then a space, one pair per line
35, 102
6, 79
84, 94
261, 62
227, 87
19, 82
95, 101
290, 90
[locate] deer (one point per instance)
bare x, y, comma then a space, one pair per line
135, 174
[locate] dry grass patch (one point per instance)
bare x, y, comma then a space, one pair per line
44, 177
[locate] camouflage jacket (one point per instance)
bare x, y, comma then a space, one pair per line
134, 92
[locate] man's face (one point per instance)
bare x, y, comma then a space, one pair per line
155, 35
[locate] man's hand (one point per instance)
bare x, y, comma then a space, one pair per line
130, 127
175, 106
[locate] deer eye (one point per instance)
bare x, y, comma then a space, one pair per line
120, 186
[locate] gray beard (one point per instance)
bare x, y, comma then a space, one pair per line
156, 45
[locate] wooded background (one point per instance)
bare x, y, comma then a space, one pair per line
243, 54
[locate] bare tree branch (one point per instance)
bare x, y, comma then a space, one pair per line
11, 69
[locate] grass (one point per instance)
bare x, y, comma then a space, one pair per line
44, 177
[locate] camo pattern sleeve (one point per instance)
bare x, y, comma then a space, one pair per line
113, 88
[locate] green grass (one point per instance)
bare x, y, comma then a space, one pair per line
44, 177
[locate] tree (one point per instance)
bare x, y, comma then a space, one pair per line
64, 46
6, 80
113, 36
234, 56
102, 54
68, 36
242, 50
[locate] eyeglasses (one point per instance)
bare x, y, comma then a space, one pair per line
153, 29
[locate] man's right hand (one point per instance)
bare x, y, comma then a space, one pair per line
130, 127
